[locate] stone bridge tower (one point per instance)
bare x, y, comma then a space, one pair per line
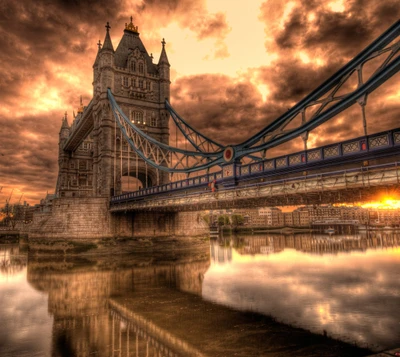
94, 159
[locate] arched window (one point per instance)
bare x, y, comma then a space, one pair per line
137, 117
153, 119
141, 67
140, 84
125, 81
133, 66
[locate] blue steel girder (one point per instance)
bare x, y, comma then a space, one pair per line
199, 141
268, 137
159, 155
210, 153
345, 102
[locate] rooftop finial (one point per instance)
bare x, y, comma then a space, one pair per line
131, 27
99, 44
163, 42
81, 107
65, 115
108, 26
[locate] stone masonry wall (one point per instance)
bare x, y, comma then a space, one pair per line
73, 218
135, 224
89, 218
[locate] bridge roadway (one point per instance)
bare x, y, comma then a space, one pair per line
351, 171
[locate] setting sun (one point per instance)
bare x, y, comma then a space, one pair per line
385, 203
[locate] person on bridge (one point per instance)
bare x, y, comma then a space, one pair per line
213, 185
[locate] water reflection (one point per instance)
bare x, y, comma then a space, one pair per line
25, 328
11, 261
348, 286
197, 304
84, 294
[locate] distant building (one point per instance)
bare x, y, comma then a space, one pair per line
272, 216
388, 216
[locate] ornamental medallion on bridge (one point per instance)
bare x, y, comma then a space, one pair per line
229, 153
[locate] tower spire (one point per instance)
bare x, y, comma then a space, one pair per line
81, 107
64, 121
107, 44
163, 56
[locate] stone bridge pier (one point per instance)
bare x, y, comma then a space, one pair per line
90, 218
132, 224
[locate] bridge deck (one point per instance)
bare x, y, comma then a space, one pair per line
302, 178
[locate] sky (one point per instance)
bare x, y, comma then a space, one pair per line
235, 67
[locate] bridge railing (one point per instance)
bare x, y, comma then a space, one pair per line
354, 148
347, 181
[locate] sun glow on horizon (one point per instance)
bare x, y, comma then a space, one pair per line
385, 203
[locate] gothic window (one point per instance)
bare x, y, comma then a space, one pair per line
137, 117
141, 67
148, 85
140, 84
82, 165
125, 81
133, 66
153, 120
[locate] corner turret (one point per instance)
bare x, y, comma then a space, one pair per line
163, 70
103, 66
65, 128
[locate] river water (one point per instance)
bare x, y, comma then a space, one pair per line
255, 295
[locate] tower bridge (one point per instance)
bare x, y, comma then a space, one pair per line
122, 136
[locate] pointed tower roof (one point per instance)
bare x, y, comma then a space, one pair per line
81, 107
107, 44
131, 40
163, 56
98, 51
64, 122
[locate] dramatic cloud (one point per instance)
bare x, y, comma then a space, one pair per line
235, 68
